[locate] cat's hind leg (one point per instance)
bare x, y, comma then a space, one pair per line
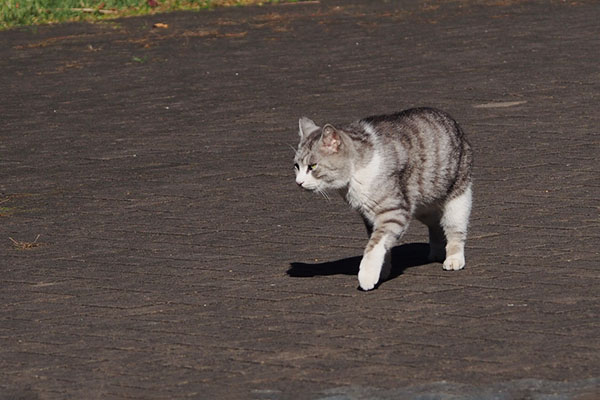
368, 225
437, 238
454, 221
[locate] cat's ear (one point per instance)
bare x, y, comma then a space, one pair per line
331, 139
307, 126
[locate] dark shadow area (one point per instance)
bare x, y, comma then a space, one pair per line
403, 257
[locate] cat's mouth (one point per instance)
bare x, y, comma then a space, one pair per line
310, 186
307, 187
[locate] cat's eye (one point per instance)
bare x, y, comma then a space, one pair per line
297, 166
311, 167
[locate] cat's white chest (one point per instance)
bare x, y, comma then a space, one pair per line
363, 185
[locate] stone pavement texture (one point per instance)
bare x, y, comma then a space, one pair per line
176, 257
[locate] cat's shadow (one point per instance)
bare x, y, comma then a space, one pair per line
403, 257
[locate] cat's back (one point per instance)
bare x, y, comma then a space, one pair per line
424, 146
420, 121
418, 131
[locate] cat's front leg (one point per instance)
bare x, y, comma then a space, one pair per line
388, 229
370, 267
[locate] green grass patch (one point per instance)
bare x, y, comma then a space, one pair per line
33, 12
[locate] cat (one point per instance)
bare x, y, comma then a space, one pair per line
392, 168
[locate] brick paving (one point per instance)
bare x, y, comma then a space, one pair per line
176, 257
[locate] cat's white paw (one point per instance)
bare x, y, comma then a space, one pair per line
370, 267
454, 262
368, 278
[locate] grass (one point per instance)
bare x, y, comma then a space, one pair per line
34, 12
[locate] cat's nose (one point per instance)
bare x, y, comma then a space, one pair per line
300, 183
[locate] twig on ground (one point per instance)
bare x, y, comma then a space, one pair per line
93, 10
25, 245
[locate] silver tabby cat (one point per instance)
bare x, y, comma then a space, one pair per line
391, 168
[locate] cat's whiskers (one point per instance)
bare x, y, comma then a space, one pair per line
323, 193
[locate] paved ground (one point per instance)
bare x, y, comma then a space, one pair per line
176, 257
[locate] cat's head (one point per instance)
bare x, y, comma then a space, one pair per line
322, 160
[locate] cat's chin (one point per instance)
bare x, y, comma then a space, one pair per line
314, 187
309, 188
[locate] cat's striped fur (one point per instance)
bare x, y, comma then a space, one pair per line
391, 168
